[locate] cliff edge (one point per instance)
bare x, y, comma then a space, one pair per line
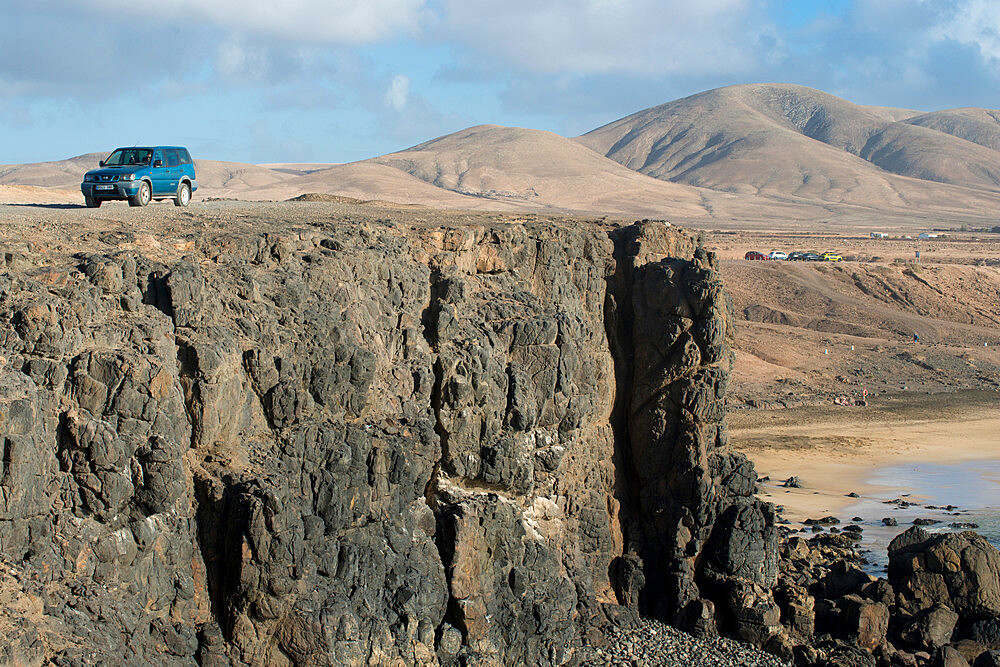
368, 438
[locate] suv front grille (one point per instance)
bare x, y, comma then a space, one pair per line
109, 177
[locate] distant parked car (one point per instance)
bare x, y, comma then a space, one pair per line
811, 257
139, 175
797, 256
777, 254
832, 257
753, 254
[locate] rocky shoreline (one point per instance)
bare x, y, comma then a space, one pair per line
316, 434
939, 605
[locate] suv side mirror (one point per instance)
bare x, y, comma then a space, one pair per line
157, 163
101, 163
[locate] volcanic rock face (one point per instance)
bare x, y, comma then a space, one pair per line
372, 445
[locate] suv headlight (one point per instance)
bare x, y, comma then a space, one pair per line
128, 177
88, 178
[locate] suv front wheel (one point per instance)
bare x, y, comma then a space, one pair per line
142, 197
183, 197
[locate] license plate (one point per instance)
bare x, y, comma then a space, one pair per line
105, 187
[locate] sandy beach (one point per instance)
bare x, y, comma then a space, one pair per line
834, 450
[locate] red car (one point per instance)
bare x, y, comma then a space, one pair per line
753, 254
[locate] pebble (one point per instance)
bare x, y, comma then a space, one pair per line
655, 644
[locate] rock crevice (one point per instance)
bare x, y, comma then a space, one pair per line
356, 445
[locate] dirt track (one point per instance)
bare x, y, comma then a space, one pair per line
797, 323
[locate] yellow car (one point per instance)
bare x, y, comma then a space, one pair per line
832, 257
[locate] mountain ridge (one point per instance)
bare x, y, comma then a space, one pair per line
745, 151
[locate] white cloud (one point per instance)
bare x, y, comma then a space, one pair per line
235, 61
975, 23
330, 21
598, 36
398, 93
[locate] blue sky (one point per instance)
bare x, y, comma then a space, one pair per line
341, 80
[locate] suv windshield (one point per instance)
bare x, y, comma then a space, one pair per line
128, 156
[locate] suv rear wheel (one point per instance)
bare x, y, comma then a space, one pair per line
142, 197
91, 202
183, 197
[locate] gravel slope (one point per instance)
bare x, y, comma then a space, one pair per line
655, 644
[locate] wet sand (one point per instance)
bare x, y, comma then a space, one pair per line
837, 450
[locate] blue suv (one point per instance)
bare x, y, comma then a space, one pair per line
139, 175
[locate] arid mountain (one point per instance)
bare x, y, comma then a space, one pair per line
792, 140
481, 168
369, 181
742, 155
980, 126
223, 177
235, 178
60, 174
540, 169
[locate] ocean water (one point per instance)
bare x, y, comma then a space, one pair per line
973, 487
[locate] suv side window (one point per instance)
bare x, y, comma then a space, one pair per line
157, 155
173, 159
185, 156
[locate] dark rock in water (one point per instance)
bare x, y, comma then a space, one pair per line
792, 483
853, 494
964, 525
853, 531
889, 521
921, 521
856, 518
825, 521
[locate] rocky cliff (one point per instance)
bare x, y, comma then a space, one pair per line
368, 441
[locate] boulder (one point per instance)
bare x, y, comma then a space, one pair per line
960, 570
930, 628
865, 621
798, 614
947, 656
969, 648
